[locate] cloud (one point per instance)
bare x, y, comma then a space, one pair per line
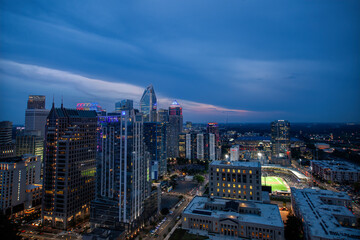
107, 91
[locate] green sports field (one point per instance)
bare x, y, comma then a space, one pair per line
276, 183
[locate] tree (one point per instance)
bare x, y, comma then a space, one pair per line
293, 228
8, 229
164, 211
199, 178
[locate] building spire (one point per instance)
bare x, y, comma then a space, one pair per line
53, 103
62, 101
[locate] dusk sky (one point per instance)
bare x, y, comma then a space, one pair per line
245, 60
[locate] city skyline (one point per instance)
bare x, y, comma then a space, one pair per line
234, 62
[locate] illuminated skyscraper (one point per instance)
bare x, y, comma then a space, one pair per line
123, 177
175, 128
148, 104
69, 166
36, 114
280, 139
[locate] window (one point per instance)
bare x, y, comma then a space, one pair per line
250, 171
217, 169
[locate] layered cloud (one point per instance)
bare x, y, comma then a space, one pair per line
78, 87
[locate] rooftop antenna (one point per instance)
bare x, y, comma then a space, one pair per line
53, 103
62, 102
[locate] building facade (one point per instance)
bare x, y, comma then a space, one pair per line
36, 114
69, 166
123, 174
336, 171
125, 104
30, 144
233, 219
236, 180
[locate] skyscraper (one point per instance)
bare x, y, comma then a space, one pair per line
29, 143
69, 166
148, 104
155, 141
280, 139
123, 181
36, 114
175, 128
125, 104
213, 128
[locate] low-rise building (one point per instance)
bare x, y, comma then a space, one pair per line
236, 180
325, 214
233, 218
336, 171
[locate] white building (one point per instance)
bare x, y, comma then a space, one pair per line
325, 214
237, 180
234, 153
238, 219
200, 146
336, 171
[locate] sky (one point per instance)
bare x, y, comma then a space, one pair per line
235, 61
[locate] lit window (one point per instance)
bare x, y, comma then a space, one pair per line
229, 191
218, 190
184, 219
250, 193
218, 184
234, 186
228, 170
250, 172
228, 184
233, 170
223, 184
217, 169
239, 171
223, 169
239, 192
239, 186
244, 186
250, 187
244, 171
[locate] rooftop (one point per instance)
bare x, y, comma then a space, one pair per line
337, 165
269, 213
235, 163
320, 216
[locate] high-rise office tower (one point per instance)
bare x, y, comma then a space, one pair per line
213, 128
280, 139
123, 181
69, 166
125, 104
36, 102
148, 105
175, 128
36, 114
155, 141
163, 115
7, 148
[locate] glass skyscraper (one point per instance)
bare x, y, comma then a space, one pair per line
175, 128
280, 139
148, 104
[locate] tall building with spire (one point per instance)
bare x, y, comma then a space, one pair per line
36, 114
69, 166
148, 104
174, 129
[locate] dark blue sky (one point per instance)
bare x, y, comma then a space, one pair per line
248, 61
